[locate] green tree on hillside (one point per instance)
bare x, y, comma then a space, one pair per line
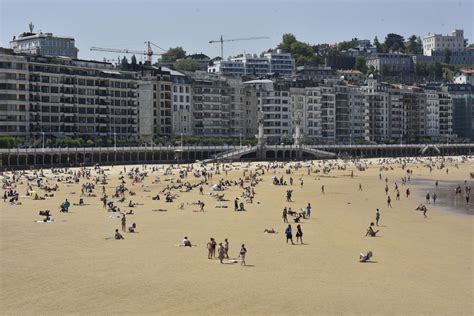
394, 42
302, 52
414, 46
447, 56
173, 54
186, 65
361, 64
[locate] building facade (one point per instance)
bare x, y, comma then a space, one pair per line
390, 63
437, 42
65, 97
44, 44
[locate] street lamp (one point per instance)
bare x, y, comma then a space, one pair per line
115, 141
240, 138
181, 139
43, 140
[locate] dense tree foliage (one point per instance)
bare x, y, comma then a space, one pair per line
186, 65
414, 45
302, 52
173, 54
394, 42
361, 64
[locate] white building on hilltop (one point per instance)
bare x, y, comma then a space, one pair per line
437, 42
44, 44
251, 64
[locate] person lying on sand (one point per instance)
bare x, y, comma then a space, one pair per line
270, 231
365, 257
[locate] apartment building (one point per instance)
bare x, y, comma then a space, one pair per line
14, 94
182, 106
280, 63
312, 122
273, 100
211, 105
377, 109
432, 113
436, 42
243, 109
67, 97
253, 65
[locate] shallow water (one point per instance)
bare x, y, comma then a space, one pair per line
446, 197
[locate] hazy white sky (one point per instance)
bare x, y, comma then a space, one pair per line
191, 24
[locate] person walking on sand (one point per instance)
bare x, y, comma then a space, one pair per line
360, 186
308, 210
299, 234
124, 223
389, 202
322, 189
377, 217
221, 252
285, 215
243, 252
226, 248
289, 234
434, 198
408, 192
428, 198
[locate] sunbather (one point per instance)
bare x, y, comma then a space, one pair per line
370, 231
365, 257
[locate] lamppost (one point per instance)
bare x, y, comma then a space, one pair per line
115, 141
240, 138
43, 140
181, 139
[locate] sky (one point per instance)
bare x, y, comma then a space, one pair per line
193, 23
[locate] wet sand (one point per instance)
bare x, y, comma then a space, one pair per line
446, 197
421, 266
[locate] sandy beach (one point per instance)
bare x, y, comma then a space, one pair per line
420, 265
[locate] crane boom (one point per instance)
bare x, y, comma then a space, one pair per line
222, 40
118, 50
149, 52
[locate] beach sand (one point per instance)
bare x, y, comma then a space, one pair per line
420, 266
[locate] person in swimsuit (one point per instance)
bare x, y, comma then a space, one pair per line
299, 234
226, 248
289, 234
243, 252
118, 235
221, 252
211, 247
124, 223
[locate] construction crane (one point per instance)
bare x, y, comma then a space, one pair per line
221, 40
149, 52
